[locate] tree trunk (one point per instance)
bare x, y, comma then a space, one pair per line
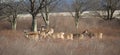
45, 18
47, 14
111, 15
14, 22
108, 14
34, 24
47, 23
76, 24
76, 19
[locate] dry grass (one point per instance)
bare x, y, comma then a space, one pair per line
14, 42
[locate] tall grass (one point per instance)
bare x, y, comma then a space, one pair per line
14, 42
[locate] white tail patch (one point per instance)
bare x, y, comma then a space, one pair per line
100, 35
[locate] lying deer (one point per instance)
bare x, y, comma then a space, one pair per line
32, 35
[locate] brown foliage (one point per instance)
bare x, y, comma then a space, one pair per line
14, 42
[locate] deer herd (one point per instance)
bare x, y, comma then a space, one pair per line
48, 33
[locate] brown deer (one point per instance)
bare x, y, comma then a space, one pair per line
68, 36
32, 35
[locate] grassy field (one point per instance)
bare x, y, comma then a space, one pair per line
14, 42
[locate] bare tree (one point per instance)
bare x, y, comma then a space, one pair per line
34, 7
10, 11
47, 9
110, 6
78, 7
14, 11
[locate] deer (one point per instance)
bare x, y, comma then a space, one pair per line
58, 35
91, 35
87, 33
47, 32
32, 35
81, 36
99, 35
68, 36
42, 34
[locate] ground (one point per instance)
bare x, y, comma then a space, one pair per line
14, 42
